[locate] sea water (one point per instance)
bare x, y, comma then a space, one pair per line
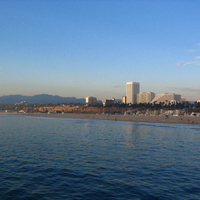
57, 158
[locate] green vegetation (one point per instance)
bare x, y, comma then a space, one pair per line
98, 107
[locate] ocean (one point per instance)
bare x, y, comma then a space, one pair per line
45, 158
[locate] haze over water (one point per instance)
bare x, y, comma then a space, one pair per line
50, 158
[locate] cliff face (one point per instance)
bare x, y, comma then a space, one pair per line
78, 109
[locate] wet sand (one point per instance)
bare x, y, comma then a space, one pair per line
131, 118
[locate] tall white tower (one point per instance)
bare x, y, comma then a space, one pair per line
132, 89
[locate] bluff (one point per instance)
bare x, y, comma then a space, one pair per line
82, 109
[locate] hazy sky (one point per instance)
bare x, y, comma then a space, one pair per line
93, 47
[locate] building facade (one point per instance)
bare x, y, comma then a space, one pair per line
132, 89
145, 97
124, 99
110, 101
90, 100
166, 98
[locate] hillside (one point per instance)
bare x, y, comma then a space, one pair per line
41, 98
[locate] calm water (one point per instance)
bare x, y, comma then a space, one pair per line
49, 158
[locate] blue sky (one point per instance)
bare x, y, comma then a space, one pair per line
93, 47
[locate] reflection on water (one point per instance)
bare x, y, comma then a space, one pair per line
47, 158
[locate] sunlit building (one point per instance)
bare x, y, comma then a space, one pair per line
145, 97
110, 101
90, 100
166, 98
124, 99
183, 99
132, 89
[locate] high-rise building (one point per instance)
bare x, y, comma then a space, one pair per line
132, 89
145, 97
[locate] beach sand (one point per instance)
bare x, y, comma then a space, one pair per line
131, 118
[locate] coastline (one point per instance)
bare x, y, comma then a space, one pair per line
130, 118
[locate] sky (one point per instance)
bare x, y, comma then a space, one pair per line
80, 48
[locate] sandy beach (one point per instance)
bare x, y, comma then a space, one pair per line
131, 118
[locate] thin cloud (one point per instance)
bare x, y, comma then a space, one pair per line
182, 63
193, 50
185, 89
118, 86
189, 63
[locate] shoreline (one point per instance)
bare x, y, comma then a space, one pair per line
130, 118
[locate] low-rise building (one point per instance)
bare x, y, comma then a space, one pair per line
124, 99
166, 98
90, 100
145, 97
110, 101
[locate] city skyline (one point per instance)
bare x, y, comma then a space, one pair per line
83, 48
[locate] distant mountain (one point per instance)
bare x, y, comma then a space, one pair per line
41, 98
